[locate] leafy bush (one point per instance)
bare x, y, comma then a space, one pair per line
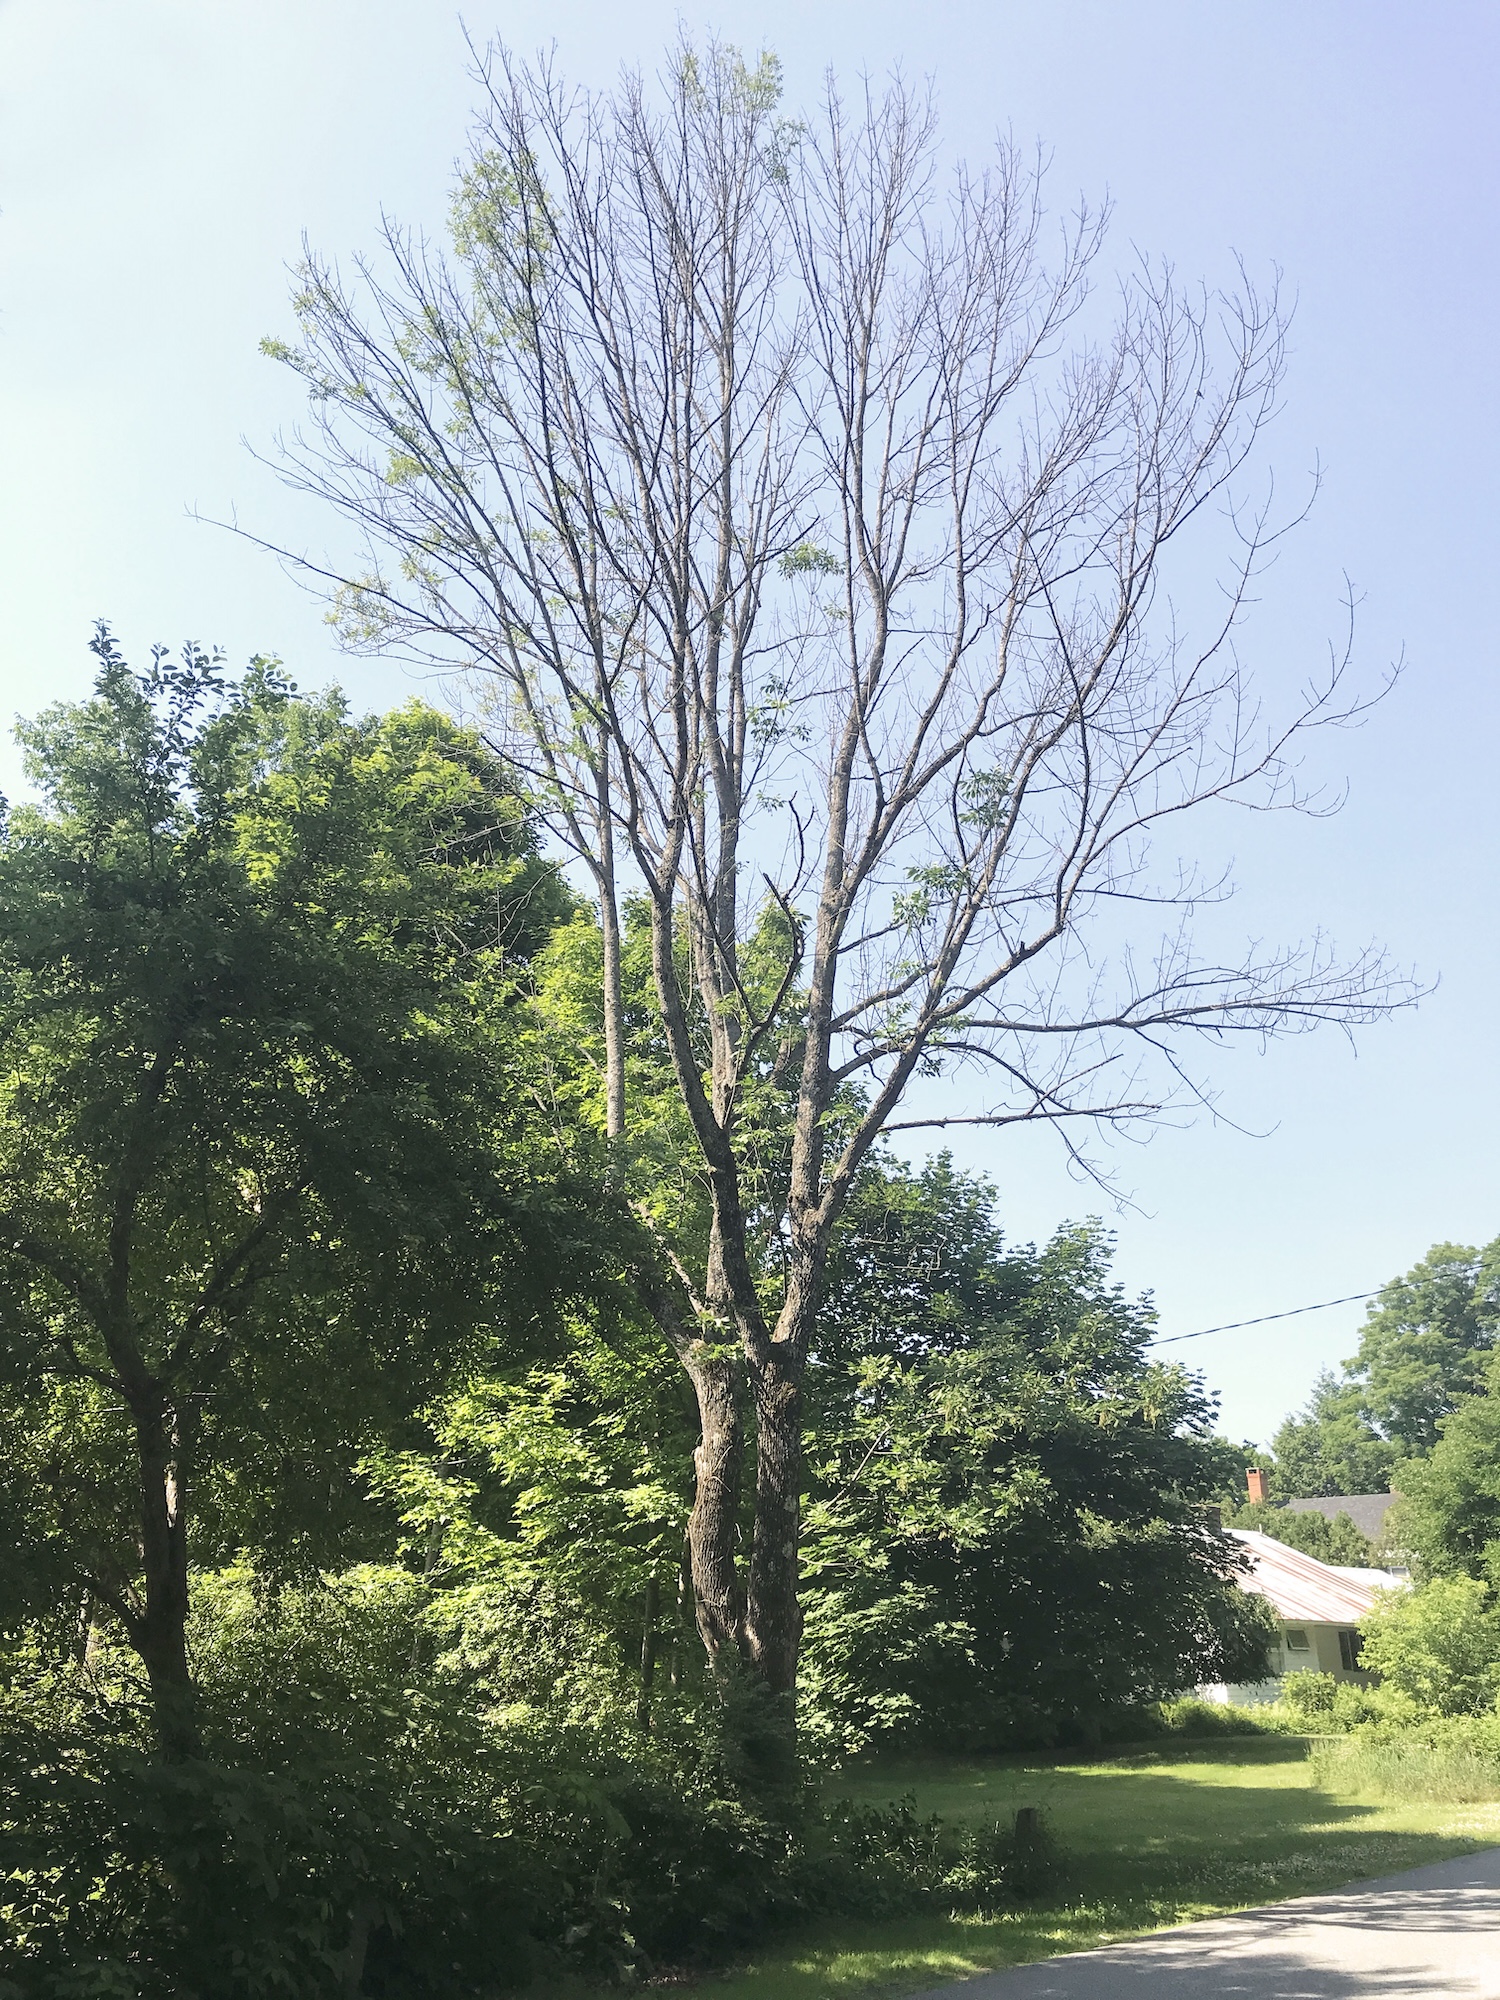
1189, 1717
133, 1878
1317, 1704
1438, 1646
139, 1880
1310, 1697
375, 1816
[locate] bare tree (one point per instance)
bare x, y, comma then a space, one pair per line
818, 552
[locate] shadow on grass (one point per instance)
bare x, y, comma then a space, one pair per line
1154, 1837
1139, 1817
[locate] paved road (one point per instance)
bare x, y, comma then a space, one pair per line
1432, 1934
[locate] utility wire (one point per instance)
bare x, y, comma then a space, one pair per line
1171, 1339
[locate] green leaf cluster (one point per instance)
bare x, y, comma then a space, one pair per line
1007, 1534
269, 1158
1423, 1350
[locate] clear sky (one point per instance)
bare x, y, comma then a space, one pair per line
161, 159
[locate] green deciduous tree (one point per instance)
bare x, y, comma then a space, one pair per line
1335, 1541
1439, 1646
1450, 1508
1008, 1535
260, 1158
1423, 1349
1425, 1343
1330, 1446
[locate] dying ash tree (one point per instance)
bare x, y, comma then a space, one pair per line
808, 523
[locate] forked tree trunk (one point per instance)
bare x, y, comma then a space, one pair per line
159, 1631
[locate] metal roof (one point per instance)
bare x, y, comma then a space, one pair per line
1302, 1590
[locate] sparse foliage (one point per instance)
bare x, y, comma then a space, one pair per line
809, 535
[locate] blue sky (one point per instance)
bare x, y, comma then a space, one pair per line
161, 159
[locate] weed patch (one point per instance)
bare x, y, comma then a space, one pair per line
1452, 1773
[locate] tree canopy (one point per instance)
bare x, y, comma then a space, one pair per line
1423, 1350
1450, 1513
1009, 1526
262, 1164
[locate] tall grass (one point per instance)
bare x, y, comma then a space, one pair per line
1405, 1768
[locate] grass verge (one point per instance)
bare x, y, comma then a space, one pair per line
1157, 1838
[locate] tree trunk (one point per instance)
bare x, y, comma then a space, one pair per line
680, 1625
159, 1633
614, 985
773, 1617
718, 1466
614, 1021
648, 1655
83, 1630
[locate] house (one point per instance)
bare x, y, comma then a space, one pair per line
1318, 1607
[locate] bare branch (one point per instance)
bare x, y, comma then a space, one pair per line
811, 522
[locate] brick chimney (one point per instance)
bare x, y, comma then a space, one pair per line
1256, 1481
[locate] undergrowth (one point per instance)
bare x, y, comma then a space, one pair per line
1442, 1772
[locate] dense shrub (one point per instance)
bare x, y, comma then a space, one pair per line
1381, 1741
1190, 1717
1316, 1704
1438, 1647
144, 1879
376, 1816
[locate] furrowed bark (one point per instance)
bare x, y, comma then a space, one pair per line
773, 1615
710, 1567
718, 1466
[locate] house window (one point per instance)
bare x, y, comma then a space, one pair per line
1296, 1640
1349, 1651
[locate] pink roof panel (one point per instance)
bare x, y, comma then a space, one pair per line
1301, 1589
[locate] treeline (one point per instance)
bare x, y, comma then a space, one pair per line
351, 1641
1416, 1409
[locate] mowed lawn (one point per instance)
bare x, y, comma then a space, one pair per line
1151, 1839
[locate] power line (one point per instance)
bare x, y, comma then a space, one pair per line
1233, 1326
